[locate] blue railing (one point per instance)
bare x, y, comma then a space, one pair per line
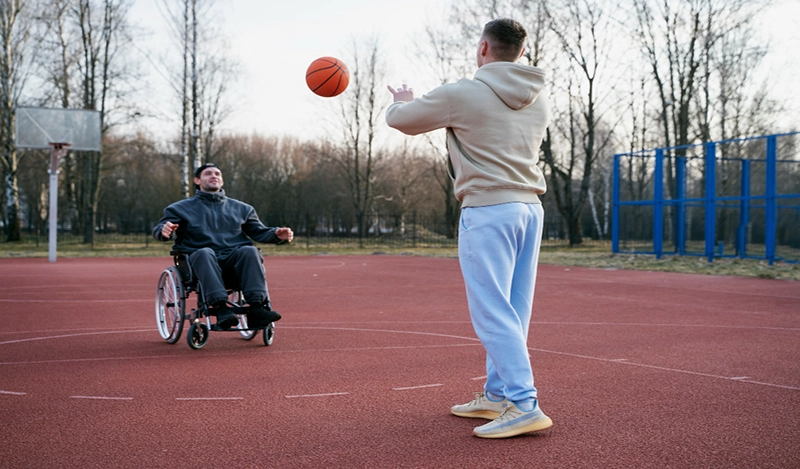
709, 201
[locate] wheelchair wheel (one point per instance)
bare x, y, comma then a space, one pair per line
170, 305
197, 335
269, 334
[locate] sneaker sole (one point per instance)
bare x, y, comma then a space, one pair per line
539, 425
480, 414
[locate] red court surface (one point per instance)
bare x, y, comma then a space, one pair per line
636, 369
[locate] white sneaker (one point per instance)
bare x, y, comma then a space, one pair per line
480, 408
514, 421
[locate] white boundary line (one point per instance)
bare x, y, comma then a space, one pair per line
422, 386
113, 300
12, 393
663, 368
31, 339
318, 395
209, 398
619, 361
103, 398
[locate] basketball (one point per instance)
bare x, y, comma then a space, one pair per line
327, 77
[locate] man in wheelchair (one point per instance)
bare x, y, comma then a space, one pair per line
216, 233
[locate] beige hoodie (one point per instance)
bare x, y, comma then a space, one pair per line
495, 125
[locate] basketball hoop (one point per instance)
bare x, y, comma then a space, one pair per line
59, 130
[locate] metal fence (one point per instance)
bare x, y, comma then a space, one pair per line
733, 198
385, 233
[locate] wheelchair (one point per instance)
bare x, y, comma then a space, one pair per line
174, 287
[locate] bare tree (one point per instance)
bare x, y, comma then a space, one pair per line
405, 168
579, 26
361, 107
101, 25
448, 57
678, 39
202, 81
60, 58
686, 45
16, 63
180, 21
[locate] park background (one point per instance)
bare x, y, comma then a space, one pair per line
180, 82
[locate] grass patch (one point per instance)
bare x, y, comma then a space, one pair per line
681, 264
593, 257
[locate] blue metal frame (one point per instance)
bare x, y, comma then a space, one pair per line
744, 210
615, 206
680, 194
771, 194
658, 204
710, 201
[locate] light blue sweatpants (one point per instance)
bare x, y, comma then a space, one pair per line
498, 249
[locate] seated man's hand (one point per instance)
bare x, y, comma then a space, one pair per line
168, 229
284, 234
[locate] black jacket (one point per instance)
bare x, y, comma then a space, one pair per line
210, 219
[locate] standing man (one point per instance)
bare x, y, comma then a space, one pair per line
495, 124
216, 231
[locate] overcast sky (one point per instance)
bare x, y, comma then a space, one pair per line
274, 41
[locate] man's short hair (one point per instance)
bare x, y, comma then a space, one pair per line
506, 37
200, 170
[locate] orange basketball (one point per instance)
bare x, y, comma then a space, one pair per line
327, 77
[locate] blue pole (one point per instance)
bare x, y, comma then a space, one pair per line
680, 194
711, 198
771, 197
744, 209
615, 207
658, 204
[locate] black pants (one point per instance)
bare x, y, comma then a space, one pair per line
243, 267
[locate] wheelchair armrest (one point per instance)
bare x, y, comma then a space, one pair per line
181, 260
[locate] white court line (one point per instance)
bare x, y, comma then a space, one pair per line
82, 330
209, 398
111, 300
663, 368
418, 387
31, 339
478, 378
635, 324
12, 393
318, 395
157, 357
103, 398
592, 279
472, 339
359, 329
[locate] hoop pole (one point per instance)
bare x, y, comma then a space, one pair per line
55, 150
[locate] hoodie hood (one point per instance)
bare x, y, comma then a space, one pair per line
515, 84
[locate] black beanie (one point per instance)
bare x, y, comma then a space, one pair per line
200, 170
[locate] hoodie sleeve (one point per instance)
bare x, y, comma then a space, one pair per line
256, 230
170, 215
428, 112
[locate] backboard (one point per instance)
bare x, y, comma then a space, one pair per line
39, 127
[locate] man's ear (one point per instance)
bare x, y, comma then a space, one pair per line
521, 53
484, 49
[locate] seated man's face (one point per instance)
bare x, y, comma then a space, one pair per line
210, 180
